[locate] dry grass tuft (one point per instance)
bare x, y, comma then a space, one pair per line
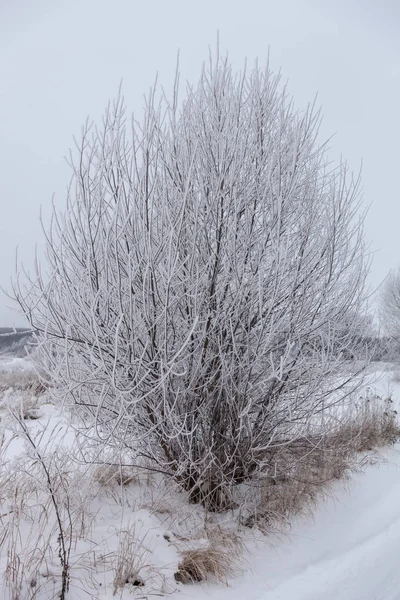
130, 560
210, 563
218, 560
372, 423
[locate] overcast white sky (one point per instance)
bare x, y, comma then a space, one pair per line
62, 60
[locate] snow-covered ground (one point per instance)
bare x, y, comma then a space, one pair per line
348, 551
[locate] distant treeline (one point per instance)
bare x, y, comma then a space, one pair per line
13, 341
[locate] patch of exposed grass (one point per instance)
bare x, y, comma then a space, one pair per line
306, 468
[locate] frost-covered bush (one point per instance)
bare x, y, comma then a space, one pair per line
203, 279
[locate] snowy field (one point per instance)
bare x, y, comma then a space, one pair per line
128, 535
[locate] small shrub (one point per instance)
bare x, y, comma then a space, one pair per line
186, 309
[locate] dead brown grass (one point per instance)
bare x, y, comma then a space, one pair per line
202, 564
305, 469
219, 559
130, 560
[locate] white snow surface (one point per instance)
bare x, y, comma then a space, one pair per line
348, 551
